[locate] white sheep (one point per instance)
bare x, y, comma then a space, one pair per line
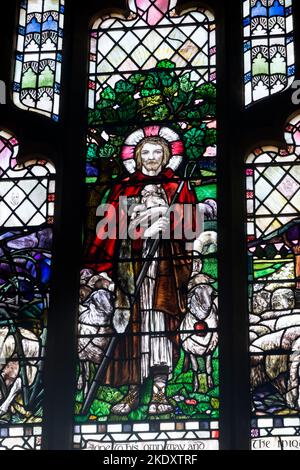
266, 367
261, 301
206, 243
283, 299
277, 329
9, 363
198, 328
95, 332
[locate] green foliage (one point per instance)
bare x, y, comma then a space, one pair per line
124, 86
185, 378
161, 95
166, 64
207, 92
215, 403
210, 137
104, 104
203, 407
141, 414
210, 267
208, 191
177, 389
109, 395
146, 392
181, 103
150, 92
148, 102
266, 269
117, 140
202, 404
170, 88
215, 392
107, 151
108, 94
99, 408
137, 78
126, 113
178, 369
194, 142
92, 152
125, 99
160, 112
186, 84
94, 117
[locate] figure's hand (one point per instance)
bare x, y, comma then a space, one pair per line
159, 227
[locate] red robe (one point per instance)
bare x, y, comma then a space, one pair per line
173, 273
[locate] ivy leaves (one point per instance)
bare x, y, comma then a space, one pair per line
193, 140
165, 64
108, 94
197, 139
186, 84
124, 87
107, 151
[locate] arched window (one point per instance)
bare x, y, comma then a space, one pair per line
151, 89
269, 58
37, 76
273, 201
151, 74
27, 195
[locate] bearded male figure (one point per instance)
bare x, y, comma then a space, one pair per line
150, 320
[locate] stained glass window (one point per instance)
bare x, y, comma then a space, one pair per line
273, 201
269, 62
27, 194
148, 355
37, 75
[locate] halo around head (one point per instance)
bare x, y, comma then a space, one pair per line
173, 139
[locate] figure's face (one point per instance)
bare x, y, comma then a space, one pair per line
152, 156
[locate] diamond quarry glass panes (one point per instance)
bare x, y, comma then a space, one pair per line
273, 203
37, 75
269, 61
27, 194
147, 339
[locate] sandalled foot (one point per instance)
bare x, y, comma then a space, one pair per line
159, 404
127, 404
